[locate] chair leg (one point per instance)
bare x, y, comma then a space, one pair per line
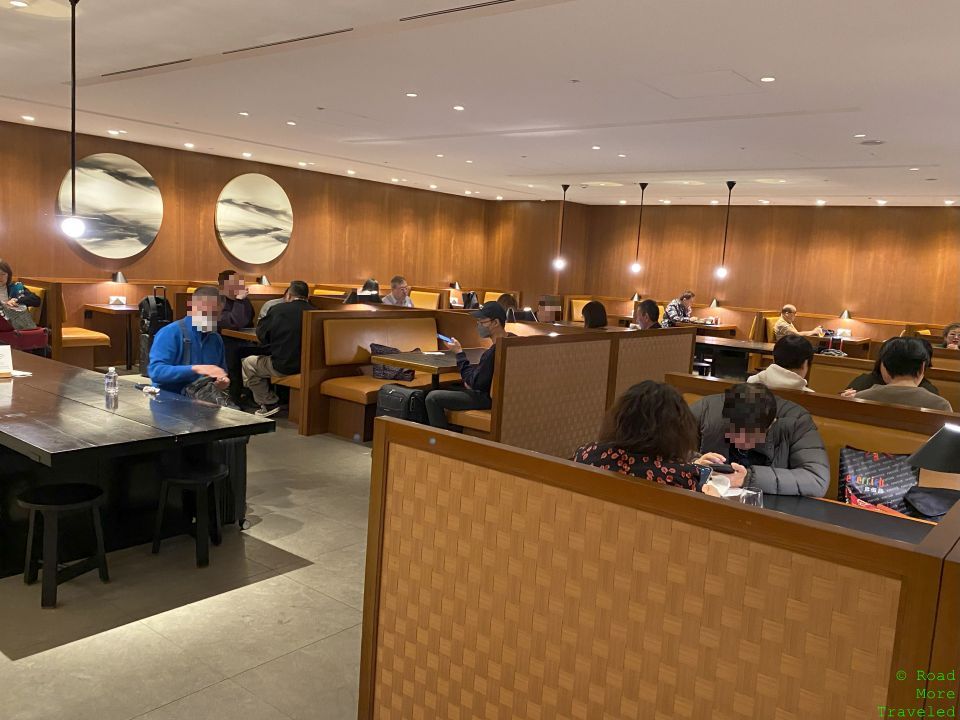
203, 527
217, 523
48, 593
101, 553
29, 565
158, 526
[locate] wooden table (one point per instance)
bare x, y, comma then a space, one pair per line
854, 346
703, 329
106, 309
54, 427
248, 334
846, 516
435, 364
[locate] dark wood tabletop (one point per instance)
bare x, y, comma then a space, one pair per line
435, 364
747, 346
59, 412
249, 334
849, 517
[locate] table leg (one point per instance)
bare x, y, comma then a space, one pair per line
129, 339
435, 381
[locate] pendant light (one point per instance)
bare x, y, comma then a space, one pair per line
635, 268
73, 226
558, 262
721, 271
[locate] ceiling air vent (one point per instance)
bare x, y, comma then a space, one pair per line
147, 67
474, 6
288, 42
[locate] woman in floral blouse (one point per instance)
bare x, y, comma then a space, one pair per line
649, 433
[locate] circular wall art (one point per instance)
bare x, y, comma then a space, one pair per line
119, 203
254, 219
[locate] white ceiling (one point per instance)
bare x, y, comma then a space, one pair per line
675, 86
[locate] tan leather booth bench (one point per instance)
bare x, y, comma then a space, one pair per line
841, 421
615, 306
550, 393
69, 344
504, 583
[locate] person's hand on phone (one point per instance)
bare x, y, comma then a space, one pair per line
454, 345
12, 303
849, 392
710, 458
738, 476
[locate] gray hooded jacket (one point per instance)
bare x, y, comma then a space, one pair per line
798, 459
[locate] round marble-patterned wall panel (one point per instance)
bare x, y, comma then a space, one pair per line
119, 203
254, 219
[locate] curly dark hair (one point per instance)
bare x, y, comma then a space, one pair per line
652, 418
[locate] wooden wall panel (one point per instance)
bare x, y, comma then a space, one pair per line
894, 263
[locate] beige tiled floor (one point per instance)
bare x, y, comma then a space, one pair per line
271, 630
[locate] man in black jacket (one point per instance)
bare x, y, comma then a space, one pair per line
477, 379
236, 313
280, 332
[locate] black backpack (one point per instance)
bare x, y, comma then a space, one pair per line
155, 312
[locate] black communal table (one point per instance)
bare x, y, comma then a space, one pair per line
55, 427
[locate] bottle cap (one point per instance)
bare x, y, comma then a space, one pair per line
112, 369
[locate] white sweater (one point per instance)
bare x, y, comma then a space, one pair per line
778, 378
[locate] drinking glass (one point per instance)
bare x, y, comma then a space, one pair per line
752, 496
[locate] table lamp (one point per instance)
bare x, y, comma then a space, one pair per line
941, 452
118, 277
262, 280
636, 297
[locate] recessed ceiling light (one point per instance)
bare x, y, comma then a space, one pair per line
113, 132
291, 123
459, 108
302, 164
439, 154
621, 155
768, 79
123, 132
529, 186
247, 155
19, 3
469, 162
411, 95
821, 203
403, 179
468, 192
913, 169
596, 147
763, 202
949, 202
394, 179
28, 118
714, 202
881, 202
665, 202
623, 202
311, 163
243, 113
189, 146
860, 135
351, 172
433, 187
499, 197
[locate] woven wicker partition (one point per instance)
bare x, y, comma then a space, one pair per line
554, 394
650, 355
504, 597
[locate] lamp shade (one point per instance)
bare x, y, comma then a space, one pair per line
118, 277
715, 303
455, 285
263, 280
845, 315
941, 452
636, 297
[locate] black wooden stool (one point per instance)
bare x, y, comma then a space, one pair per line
52, 501
197, 481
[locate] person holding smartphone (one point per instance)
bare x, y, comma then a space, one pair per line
474, 393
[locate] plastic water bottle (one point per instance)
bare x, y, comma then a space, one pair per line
111, 388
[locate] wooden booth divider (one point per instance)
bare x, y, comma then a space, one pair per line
505, 583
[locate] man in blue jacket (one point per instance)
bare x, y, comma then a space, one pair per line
477, 379
188, 349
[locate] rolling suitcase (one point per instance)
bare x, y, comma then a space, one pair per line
403, 403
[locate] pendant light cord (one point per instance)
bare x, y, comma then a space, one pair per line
643, 189
563, 207
726, 224
73, 107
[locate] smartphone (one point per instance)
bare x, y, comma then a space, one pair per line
721, 468
448, 340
